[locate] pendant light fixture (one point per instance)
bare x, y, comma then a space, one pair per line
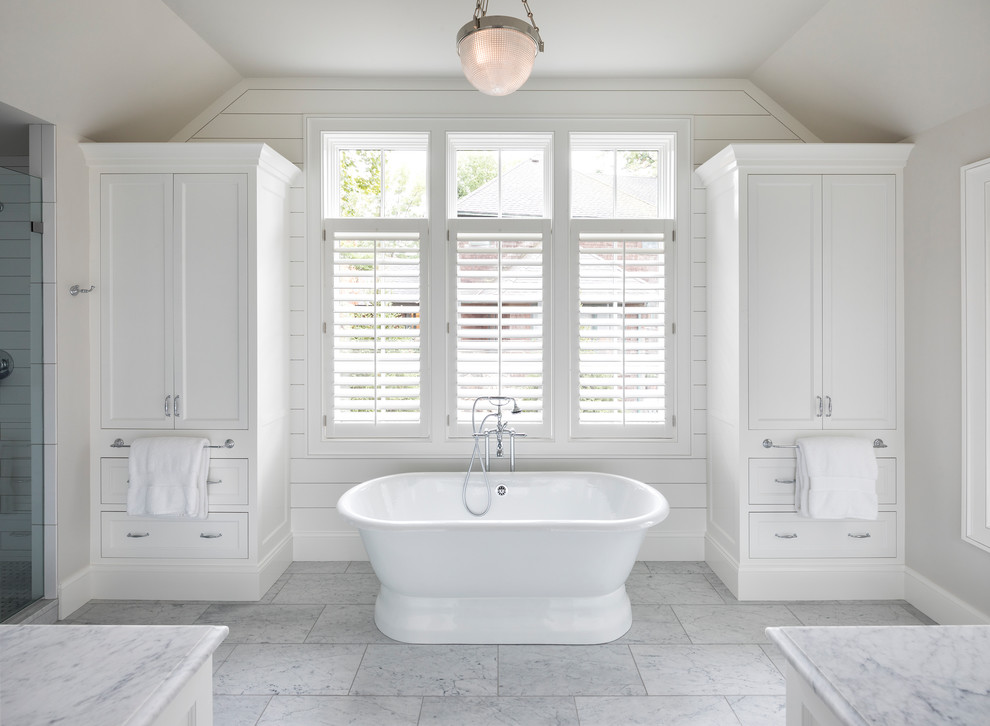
497, 52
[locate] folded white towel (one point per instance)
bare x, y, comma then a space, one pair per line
168, 477
836, 478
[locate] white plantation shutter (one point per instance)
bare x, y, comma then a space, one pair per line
499, 325
622, 349
375, 327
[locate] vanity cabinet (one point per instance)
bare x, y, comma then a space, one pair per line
821, 301
805, 338
191, 326
173, 255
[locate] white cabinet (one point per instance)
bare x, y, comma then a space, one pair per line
804, 339
191, 242
821, 301
174, 302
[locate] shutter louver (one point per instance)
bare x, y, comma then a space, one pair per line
376, 328
622, 330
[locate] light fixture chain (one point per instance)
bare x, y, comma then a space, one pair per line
529, 14
480, 11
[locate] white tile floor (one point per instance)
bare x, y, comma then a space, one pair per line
309, 654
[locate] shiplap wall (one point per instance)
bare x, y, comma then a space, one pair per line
273, 111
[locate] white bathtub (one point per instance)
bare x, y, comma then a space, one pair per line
546, 564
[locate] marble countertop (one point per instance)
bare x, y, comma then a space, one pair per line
97, 675
899, 676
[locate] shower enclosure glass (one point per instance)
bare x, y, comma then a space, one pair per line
21, 387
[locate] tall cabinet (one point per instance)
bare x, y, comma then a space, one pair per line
190, 249
805, 337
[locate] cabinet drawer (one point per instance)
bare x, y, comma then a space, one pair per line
227, 481
783, 534
221, 536
771, 481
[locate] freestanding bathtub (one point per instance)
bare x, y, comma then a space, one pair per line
546, 564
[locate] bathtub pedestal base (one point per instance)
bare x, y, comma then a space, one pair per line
503, 620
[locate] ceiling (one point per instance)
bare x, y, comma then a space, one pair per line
849, 70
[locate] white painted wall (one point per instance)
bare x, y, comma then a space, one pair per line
941, 566
273, 110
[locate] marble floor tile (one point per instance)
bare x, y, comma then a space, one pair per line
500, 711
759, 710
776, 656
329, 589
341, 711
360, 567
853, 614
740, 623
263, 623
668, 589
428, 670
567, 670
654, 624
274, 590
238, 710
140, 612
299, 669
654, 710
221, 654
700, 670
333, 567
347, 624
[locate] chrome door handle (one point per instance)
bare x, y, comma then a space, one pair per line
137, 535
783, 481
175, 407
786, 535
168, 400
861, 535
210, 535
828, 408
819, 414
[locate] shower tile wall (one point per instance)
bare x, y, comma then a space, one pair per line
21, 463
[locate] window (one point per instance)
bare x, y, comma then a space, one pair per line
622, 187
536, 261
499, 245
375, 240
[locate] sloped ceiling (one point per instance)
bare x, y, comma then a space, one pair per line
106, 70
849, 70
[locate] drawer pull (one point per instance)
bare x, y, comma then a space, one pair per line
859, 535
218, 481
215, 535
786, 535
137, 535
783, 481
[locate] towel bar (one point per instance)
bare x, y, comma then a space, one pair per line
228, 444
768, 444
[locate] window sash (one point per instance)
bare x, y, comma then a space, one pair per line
622, 347
376, 342
499, 331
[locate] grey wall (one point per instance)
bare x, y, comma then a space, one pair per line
933, 357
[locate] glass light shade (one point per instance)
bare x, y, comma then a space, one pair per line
498, 57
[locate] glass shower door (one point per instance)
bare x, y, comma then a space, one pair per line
21, 389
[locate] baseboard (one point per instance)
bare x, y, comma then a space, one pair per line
938, 603
322, 547
74, 592
723, 564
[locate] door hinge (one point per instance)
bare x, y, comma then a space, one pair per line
324, 235
673, 235
324, 420
324, 328
673, 420
673, 328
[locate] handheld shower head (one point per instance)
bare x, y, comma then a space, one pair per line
505, 401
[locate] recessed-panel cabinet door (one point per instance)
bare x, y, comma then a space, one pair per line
135, 297
859, 329
211, 301
785, 238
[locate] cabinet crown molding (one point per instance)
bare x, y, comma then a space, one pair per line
805, 158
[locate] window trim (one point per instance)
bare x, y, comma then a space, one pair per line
308, 348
